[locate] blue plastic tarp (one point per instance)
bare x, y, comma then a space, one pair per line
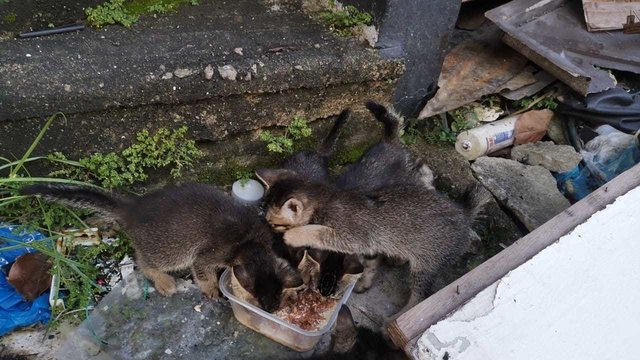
15, 311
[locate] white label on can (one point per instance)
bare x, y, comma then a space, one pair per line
498, 138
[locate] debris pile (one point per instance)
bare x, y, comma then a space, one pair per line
544, 119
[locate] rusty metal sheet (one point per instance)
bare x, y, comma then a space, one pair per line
471, 70
542, 79
552, 34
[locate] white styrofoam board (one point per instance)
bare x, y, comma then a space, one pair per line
577, 299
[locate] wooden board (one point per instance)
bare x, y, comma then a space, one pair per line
601, 15
413, 323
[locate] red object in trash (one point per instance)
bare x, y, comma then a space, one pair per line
30, 275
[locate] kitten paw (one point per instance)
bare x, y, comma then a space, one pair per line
211, 294
296, 237
307, 235
166, 286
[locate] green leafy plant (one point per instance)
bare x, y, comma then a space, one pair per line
127, 13
447, 128
110, 13
162, 8
284, 144
163, 149
342, 21
10, 18
543, 102
491, 101
243, 176
410, 136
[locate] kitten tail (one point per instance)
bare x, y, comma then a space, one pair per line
328, 145
476, 199
78, 197
393, 123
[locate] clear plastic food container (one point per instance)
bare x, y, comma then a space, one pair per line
273, 327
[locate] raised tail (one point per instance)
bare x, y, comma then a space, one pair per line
328, 145
476, 199
393, 123
78, 197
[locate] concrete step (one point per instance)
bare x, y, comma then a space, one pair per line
115, 81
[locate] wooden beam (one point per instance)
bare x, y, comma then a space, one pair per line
606, 15
405, 330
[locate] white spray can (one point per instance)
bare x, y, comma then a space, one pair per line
487, 138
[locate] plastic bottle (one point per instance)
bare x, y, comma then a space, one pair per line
487, 138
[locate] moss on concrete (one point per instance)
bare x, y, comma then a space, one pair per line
128, 13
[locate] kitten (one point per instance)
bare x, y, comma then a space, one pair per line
408, 222
192, 226
353, 343
314, 165
387, 163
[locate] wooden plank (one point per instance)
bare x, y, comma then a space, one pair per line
413, 323
602, 15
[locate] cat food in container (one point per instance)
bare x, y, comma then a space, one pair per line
275, 328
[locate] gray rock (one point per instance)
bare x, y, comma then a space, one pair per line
556, 158
208, 72
555, 131
228, 72
183, 73
529, 191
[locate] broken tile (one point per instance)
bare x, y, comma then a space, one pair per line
471, 70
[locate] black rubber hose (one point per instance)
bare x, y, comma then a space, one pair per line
52, 31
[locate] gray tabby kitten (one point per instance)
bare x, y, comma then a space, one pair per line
192, 226
317, 267
408, 222
387, 163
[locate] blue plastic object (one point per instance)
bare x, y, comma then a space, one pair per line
604, 157
15, 311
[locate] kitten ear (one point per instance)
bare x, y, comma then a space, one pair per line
271, 176
309, 270
287, 274
292, 209
352, 265
244, 278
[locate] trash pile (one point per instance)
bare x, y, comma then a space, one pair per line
30, 289
544, 119
22, 302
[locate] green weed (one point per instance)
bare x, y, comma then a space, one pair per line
342, 21
284, 144
164, 149
110, 13
243, 176
127, 13
544, 102
10, 18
